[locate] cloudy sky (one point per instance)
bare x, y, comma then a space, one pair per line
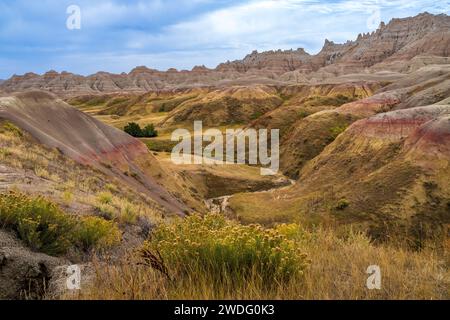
118, 35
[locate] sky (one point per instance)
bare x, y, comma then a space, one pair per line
118, 35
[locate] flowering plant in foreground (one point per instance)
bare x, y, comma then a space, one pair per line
226, 250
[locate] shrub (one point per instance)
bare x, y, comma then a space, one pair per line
106, 211
95, 232
149, 131
342, 204
67, 196
38, 222
42, 173
224, 250
43, 226
128, 213
133, 129
111, 187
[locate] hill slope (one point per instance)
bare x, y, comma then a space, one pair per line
88, 141
388, 174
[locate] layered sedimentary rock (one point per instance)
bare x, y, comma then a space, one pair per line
226, 106
425, 35
425, 130
54, 123
401, 39
271, 62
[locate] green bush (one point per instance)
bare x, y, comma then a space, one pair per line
149, 131
95, 232
225, 250
342, 204
133, 129
38, 222
43, 226
337, 130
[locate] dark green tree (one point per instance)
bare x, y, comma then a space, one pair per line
149, 131
133, 129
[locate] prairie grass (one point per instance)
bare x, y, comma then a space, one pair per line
104, 197
328, 266
67, 197
42, 172
121, 209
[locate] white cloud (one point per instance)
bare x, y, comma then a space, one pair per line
117, 35
278, 23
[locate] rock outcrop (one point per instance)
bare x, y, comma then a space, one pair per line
271, 62
24, 274
400, 40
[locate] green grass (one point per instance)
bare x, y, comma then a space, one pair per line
44, 227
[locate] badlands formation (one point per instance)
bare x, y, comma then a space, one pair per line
364, 139
387, 88
386, 49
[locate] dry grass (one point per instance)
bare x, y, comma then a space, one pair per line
337, 271
339, 267
121, 209
67, 183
